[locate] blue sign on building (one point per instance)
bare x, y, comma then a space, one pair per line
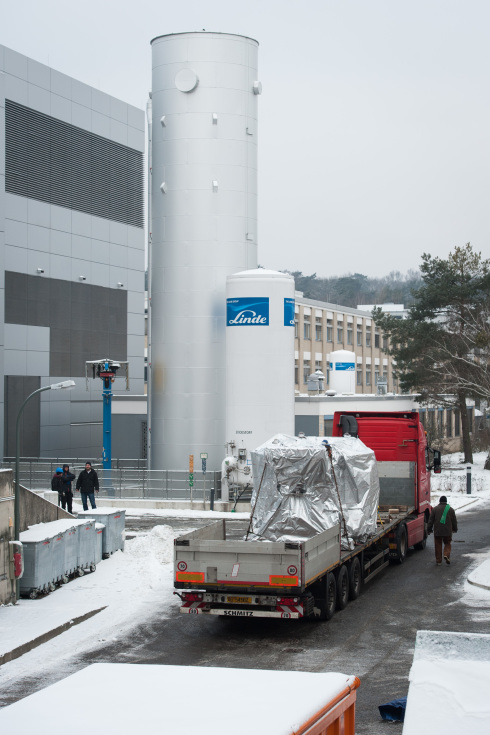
343, 366
289, 312
246, 312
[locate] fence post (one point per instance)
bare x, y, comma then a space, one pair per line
468, 480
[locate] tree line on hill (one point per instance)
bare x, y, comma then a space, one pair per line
442, 349
355, 288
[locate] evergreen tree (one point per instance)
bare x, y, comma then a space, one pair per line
442, 349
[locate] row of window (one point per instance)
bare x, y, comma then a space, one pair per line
349, 334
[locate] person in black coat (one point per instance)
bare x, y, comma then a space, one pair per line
58, 487
67, 478
88, 484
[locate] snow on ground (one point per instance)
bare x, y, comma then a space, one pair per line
449, 682
138, 584
451, 482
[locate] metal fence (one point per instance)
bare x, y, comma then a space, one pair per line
124, 482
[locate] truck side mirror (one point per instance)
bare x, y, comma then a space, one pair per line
437, 462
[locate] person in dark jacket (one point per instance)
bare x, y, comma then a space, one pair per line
67, 478
88, 484
443, 522
58, 487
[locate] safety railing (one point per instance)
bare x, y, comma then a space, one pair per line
123, 482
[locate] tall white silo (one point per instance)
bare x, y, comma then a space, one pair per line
259, 357
343, 371
204, 228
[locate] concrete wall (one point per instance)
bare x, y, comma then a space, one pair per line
7, 585
35, 509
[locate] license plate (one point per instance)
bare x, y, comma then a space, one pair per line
239, 600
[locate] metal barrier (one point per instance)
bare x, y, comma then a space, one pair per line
124, 482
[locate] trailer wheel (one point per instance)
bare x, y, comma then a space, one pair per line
331, 596
401, 543
355, 579
342, 587
326, 600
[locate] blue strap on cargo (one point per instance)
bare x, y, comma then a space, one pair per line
444, 515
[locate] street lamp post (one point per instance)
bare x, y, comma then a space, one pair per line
55, 386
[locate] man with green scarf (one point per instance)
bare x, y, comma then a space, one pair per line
443, 521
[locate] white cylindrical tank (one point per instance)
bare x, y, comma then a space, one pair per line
204, 228
343, 371
259, 357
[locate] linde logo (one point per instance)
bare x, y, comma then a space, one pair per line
247, 312
289, 312
349, 366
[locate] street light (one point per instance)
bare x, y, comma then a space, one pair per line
65, 384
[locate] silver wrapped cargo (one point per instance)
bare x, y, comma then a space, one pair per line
303, 486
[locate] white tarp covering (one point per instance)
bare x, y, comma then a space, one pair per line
299, 490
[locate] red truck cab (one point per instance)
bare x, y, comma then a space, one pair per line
399, 443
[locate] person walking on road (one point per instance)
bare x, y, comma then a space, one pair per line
88, 484
443, 522
67, 478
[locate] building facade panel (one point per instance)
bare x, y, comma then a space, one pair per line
322, 328
72, 193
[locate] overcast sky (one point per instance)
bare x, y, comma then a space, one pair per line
374, 121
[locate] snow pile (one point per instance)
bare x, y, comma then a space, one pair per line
157, 545
132, 586
449, 682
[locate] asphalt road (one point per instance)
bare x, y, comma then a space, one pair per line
372, 638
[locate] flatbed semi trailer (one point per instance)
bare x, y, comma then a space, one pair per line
216, 574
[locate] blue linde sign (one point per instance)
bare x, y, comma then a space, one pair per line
289, 312
343, 366
247, 312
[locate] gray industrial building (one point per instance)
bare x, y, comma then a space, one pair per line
71, 253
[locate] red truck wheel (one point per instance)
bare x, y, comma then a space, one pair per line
401, 537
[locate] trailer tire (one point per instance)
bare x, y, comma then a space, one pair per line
355, 579
330, 596
342, 588
401, 543
326, 597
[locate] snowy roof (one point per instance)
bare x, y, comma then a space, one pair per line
172, 699
43, 531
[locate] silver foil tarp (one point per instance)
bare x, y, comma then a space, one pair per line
295, 496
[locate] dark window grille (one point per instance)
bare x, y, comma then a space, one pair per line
55, 162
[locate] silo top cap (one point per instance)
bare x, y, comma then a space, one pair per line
203, 33
258, 272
